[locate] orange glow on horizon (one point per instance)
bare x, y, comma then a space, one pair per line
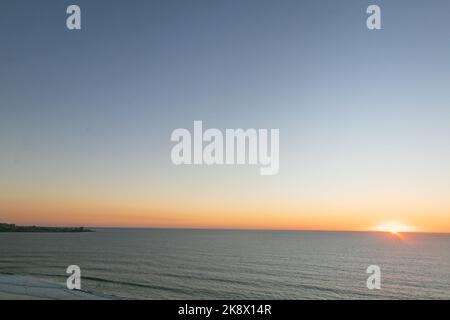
162, 216
215, 214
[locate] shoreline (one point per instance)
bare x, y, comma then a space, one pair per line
18, 287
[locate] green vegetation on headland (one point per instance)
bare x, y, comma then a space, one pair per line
4, 227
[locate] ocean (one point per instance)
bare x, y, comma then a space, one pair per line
232, 264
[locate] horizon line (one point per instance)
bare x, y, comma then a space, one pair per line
261, 229
232, 229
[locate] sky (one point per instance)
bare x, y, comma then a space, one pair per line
86, 115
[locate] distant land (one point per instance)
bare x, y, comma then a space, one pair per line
5, 227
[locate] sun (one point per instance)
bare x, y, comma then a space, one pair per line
394, 231
393, 228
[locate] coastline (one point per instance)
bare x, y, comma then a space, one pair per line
17, 287
9, 228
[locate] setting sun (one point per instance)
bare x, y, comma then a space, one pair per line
394, 228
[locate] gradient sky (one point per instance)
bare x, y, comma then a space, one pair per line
86, 116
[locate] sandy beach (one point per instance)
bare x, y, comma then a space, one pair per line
14, 287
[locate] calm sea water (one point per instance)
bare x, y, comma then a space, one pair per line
223, 264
